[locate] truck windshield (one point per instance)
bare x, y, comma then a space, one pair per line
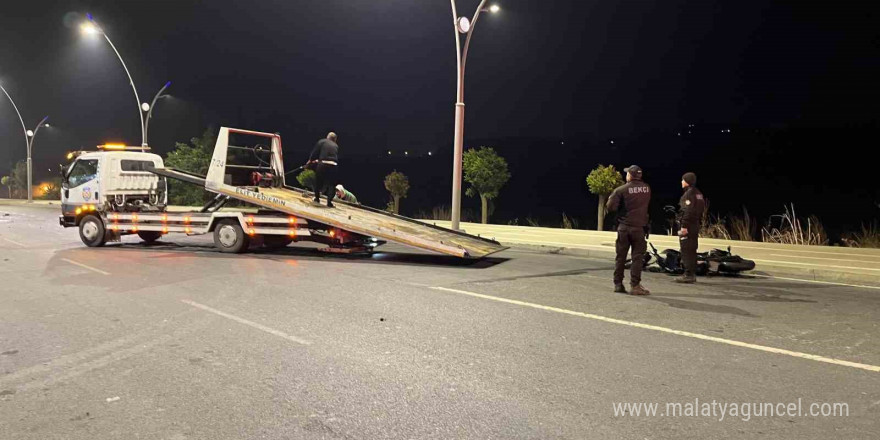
82, 172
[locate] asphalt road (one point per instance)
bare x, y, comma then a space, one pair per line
177, 341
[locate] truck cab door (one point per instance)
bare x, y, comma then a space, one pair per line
80, 185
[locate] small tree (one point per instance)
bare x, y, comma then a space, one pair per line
398, 185
20, 180
486, 172
6, 181
602, 181
306, 179
194, 157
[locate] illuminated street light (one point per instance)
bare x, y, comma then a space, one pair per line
29, 143
145, 107
91, 28
462, 25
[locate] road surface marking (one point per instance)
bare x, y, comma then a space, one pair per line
13, 242
816, 281
819, 258
820, 266
796, 354
246, 322
663, 239
68, 361
84, 266
609, 248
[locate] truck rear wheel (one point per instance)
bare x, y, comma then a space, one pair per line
229, 237
92, 232
149, 236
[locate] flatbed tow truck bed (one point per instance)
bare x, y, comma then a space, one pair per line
354, 218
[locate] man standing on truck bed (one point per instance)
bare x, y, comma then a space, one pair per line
324, 157
631, 201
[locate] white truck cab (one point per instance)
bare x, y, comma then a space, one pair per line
111, 180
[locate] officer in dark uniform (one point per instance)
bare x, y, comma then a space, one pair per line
690, 214
631, 202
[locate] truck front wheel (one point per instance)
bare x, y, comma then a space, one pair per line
92, 232
229, 237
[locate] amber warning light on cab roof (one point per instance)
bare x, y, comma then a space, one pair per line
121, 147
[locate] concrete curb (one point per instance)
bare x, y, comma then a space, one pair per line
764, 269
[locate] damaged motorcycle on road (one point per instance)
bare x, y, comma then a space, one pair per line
714, 262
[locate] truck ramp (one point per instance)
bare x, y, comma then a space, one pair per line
369, 222
359, 219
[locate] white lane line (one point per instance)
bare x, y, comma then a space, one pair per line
609, 248
13, 242
817, 265
669, 241
822, 258
796, 354
862, 286
246, 322
85, 266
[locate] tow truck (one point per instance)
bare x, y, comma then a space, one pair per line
121, 190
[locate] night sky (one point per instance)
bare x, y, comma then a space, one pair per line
382, 74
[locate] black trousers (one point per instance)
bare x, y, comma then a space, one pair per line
689, 246
630, 238
325, 181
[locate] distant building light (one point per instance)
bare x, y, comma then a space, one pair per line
679, 133
389, 152
406, 153
429, 153
612, 142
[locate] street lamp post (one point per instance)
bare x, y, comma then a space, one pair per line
92, 28
29, 142
149, 109
465, 26
31, 134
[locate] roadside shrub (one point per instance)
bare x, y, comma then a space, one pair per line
868, 237
743, 228
569, 222
787, 228
714, 227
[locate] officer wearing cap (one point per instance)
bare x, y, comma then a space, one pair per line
690, 214
631, 202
